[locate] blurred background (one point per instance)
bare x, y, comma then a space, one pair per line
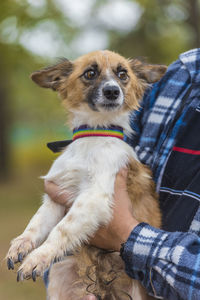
33, 33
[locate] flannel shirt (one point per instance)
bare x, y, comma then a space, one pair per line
167, 262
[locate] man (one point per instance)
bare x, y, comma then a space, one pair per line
167, 261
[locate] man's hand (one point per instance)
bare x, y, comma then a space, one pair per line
118, 230
54, 193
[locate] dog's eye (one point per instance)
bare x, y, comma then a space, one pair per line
90, 74
122, 75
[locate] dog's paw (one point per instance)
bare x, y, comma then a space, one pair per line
35, 264
19, 248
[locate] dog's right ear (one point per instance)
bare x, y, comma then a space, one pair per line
51, 77
147, 72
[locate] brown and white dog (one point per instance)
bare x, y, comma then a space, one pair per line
98, 89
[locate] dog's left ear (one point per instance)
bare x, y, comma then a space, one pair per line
147, 72
51, 77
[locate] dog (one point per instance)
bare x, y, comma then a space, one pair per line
99, 90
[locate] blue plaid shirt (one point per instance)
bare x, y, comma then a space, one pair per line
167, 263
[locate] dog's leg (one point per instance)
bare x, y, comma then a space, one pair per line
92, 208
47, 216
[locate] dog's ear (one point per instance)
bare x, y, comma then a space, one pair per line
51, 77
147, 72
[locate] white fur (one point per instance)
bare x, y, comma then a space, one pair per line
86, 170
106, 118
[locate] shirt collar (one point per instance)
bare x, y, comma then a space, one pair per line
191, 61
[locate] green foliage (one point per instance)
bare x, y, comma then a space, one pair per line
162, 33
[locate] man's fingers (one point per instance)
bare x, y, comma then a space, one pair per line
54, 192
123, 173
121, 178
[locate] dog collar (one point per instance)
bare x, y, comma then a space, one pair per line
86, 131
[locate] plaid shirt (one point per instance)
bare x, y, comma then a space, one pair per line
167, 262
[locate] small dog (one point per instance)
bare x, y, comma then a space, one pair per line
99, 90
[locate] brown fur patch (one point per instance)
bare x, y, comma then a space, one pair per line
69, 218
141, 189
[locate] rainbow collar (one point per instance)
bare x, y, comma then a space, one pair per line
86, 131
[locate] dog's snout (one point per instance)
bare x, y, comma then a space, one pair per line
111, 92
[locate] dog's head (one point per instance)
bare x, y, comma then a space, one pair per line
100, 82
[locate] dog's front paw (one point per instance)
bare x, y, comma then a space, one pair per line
35, 264
19, 248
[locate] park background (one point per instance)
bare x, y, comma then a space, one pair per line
33, 33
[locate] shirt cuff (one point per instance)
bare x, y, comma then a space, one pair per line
139, 250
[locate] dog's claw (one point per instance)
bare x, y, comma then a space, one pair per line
10, 264
20, 257
34, 275
20, 276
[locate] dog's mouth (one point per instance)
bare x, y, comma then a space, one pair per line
101, 107
110, 106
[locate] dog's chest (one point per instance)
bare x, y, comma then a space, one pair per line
85, 159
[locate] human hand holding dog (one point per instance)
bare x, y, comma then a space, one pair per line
118, 230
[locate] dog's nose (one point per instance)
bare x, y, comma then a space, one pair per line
111, 92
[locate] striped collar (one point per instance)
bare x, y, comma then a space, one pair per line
86, 131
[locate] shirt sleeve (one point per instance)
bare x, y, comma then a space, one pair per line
166, 263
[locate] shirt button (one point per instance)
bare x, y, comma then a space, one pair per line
140, 275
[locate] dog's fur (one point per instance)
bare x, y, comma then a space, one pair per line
86, 170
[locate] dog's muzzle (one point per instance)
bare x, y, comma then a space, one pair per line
112, 97
107, 97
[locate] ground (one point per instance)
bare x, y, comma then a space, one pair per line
19, 199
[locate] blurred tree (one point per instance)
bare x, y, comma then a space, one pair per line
32, 32
17, 103
194, 19
164, 30
4, 114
